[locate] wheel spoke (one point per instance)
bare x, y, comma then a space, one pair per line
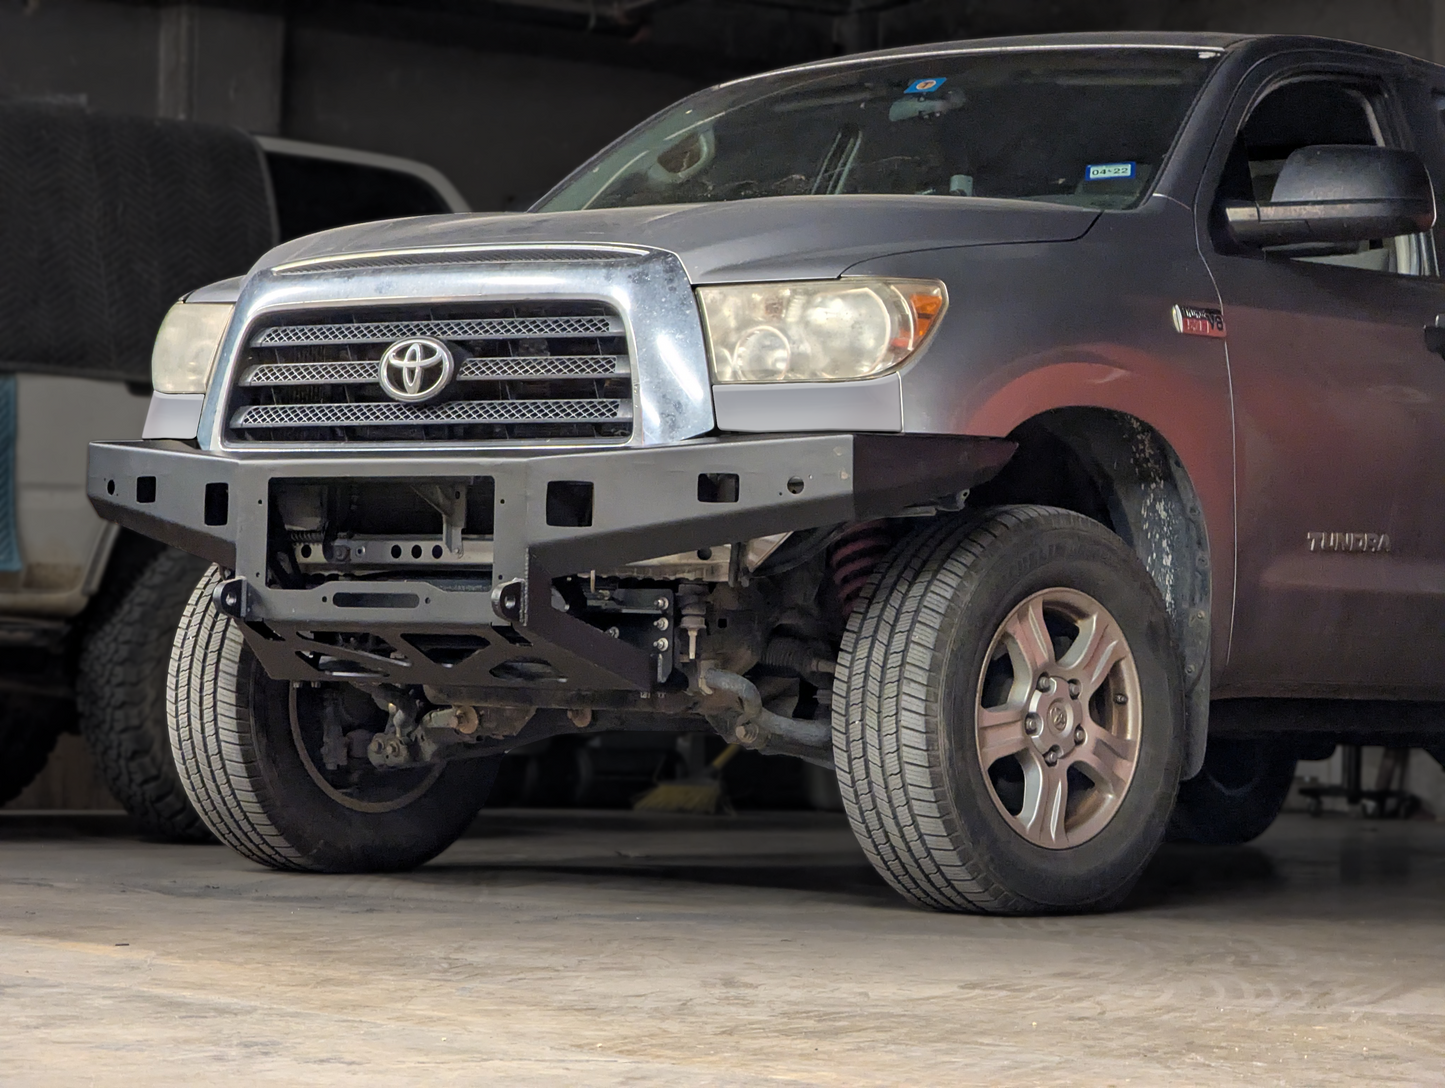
1046, 799
1107, 759
1028, 633
1000, 733
1099, 647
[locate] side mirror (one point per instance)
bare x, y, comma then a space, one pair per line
1338, 193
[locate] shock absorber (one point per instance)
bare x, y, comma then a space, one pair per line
854, 556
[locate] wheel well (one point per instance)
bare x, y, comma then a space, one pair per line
1119, 471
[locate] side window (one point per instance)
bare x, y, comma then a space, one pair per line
1305, 113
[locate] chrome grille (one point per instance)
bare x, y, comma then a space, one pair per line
524, 371
470, 370
383, 332
389, 413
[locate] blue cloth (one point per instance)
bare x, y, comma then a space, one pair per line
9, 530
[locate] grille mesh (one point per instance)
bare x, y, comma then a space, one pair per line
526, 371
381, 332
355, 373
551, 366
392, 413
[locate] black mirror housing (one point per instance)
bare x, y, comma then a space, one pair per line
1338, 193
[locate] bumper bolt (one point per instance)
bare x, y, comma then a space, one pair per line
661, 645
661, 604
507, 600
1032, 724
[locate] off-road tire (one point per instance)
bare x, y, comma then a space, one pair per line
903, 714
1237, 794
121, 695
29, 728
232, 743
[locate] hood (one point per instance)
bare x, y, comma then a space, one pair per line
798, 237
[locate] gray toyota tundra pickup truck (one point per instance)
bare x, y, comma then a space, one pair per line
1046, 433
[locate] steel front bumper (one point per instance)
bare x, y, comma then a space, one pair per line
645, 502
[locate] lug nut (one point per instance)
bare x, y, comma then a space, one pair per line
1051, 757
1045, 684
1121, 698
1032, 724
1078, 734
1074, 688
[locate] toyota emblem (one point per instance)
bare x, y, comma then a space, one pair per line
416, 369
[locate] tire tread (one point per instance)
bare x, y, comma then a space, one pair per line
211, 745
122, 710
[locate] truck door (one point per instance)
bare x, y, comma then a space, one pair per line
1336, 412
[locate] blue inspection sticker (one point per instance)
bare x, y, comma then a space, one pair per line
1109, 171
923, 86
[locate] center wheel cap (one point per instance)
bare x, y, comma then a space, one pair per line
1058, 715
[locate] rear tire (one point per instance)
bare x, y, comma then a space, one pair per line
930, 663
29, 728
240, 741
121, 695
1237, 794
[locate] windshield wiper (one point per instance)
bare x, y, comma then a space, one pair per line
838, 161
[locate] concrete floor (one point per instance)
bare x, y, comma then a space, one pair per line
608, 949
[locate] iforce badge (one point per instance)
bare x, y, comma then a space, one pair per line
1198, 321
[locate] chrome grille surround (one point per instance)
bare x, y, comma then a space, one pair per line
654, 366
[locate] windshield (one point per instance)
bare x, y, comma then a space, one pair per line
1087, 127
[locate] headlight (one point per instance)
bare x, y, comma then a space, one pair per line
817, 332
186, 346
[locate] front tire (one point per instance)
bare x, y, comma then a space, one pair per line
246, 747
1009, 715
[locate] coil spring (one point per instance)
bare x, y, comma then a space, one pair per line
853, 558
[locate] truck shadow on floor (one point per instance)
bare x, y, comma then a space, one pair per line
1178, 876
1187, 873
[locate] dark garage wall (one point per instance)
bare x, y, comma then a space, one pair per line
502, 123
105, 54
503, 127
1410, 26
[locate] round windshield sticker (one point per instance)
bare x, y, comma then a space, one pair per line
923, 86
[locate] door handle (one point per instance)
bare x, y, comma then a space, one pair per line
1435, 336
